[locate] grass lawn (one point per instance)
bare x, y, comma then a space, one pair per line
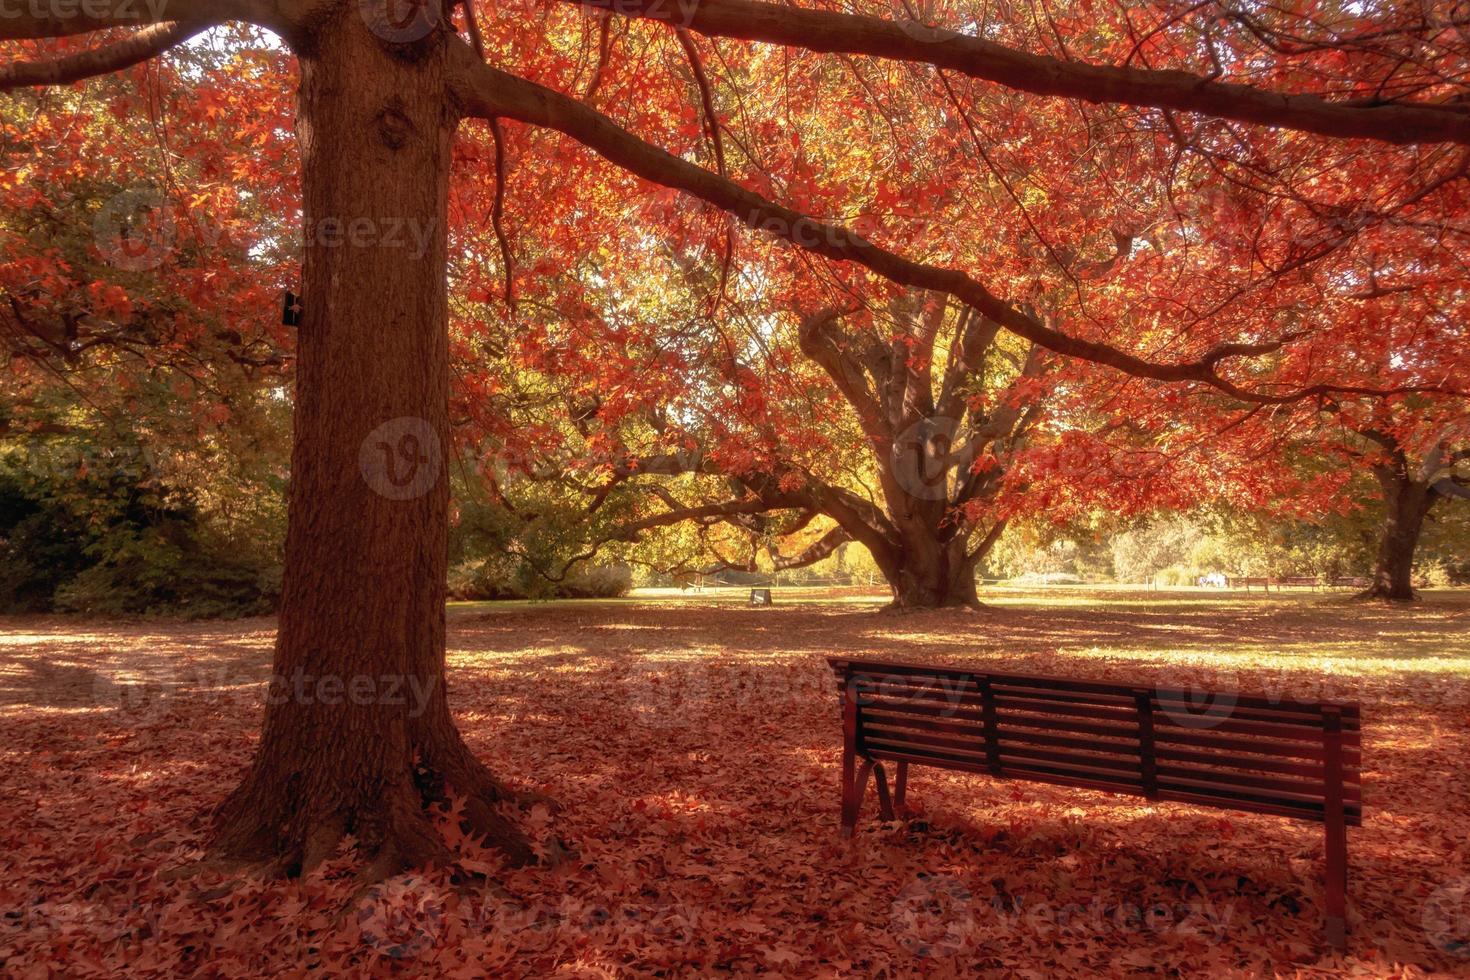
693, 742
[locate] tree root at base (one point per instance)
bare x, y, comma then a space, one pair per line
286, 834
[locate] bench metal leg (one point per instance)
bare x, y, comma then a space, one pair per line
1335, 822
885, 803
1337, 887
901, 785
852, 797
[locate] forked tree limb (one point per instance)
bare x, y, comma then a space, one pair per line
147, 43
855, 34
483, 91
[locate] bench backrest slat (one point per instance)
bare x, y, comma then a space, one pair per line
1213, 748
901, 673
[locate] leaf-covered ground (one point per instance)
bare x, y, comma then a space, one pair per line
694, 744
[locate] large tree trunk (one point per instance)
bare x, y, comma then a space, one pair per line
1406, 504
357, 734
933, 575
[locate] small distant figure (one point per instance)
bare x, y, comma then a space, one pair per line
1214, 580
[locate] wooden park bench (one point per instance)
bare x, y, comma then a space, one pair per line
1296, 759
1248, 580
1298, 581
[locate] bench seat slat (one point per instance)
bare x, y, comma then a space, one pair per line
1017, 760
1102, 777
1125, 731
1074, 776
971, 695
1315, 789
972, 754
919, 709
1353, 818
1212, 791
894, 701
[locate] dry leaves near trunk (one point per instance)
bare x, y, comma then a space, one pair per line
694, 751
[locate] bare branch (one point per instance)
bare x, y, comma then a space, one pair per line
832, 32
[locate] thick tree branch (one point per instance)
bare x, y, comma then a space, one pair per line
485, 91
22, 19
147, 43
823, 547
984, 546
704, 513
977, 335
1450, 487
824, 342
829, 31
